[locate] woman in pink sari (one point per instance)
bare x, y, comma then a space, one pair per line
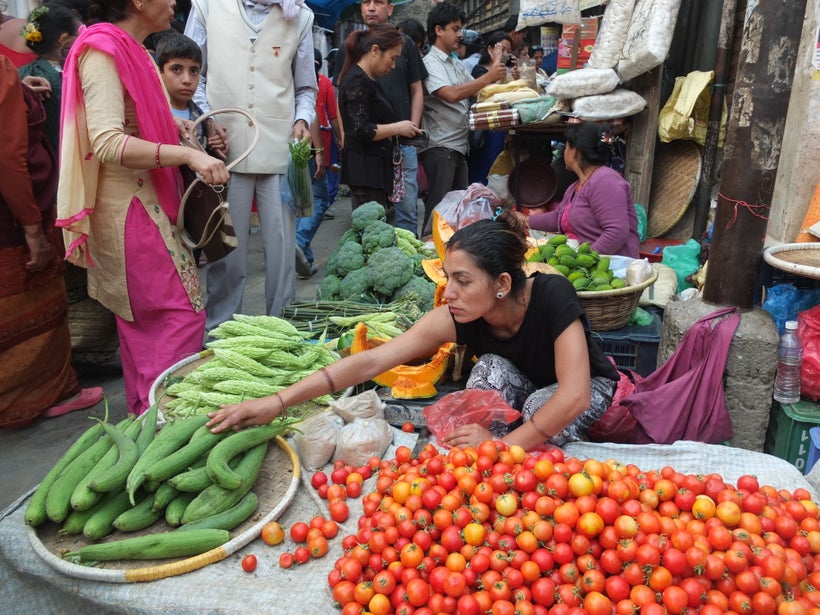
119, 191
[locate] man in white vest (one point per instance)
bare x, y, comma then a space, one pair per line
256, 54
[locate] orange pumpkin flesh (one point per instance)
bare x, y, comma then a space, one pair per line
406, 381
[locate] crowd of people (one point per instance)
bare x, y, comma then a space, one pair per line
112, 85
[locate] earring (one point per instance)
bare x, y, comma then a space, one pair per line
499, 294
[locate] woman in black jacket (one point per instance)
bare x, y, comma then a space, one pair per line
370, 129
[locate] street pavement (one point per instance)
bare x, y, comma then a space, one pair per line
28, 453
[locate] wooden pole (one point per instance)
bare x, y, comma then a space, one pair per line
771, 37
721, 69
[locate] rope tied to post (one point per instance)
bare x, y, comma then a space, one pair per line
752, 209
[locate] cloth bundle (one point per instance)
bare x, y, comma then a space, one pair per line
491, 120
483, 107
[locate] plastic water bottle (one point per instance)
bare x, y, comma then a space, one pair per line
789, 359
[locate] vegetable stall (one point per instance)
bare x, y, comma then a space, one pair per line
435, 524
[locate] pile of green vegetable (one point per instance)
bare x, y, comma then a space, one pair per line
377, 263
128, 476
584, 267
254, 356
335, 318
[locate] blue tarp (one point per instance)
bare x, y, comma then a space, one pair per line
327, 12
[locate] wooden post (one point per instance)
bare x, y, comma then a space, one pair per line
724, 52
643, 135
771, 37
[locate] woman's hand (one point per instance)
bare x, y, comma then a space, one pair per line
184, 127
246, 414
468, 435
38, 85
38, 246
212, 170
406, 128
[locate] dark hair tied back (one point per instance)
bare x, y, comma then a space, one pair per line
496, 245
593, 141
384, 36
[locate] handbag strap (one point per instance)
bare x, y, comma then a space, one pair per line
217, 189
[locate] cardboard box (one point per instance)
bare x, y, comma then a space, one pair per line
576, 43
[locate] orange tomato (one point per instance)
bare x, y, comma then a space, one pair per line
272, 533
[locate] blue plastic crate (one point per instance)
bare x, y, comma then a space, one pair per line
814, 449
632, 347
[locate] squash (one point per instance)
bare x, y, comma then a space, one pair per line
406, 381
439, 298
442, 232
434, 269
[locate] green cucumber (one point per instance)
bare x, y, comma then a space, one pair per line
36, 509
227, 519
216, 498
154, 546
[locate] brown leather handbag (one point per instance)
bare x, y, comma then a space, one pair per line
204, 219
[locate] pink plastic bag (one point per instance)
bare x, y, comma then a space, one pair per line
617, 424
808, 330
466, 407
683, 399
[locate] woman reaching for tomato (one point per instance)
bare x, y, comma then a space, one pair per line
529, 333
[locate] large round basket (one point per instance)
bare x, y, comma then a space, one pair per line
276, 487
611, 309
798, 258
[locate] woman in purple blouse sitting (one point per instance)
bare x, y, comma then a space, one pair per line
597, 208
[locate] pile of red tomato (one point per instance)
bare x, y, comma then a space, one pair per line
492, 529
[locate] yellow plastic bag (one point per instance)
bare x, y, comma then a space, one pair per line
509, 92
686, 114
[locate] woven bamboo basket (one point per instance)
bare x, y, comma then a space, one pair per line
798, 258
611, 309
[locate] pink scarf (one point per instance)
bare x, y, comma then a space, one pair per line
80, 168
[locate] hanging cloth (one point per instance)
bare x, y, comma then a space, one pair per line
684, 398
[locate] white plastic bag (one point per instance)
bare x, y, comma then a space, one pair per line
583, 82
649, 37
365, 405
362, 439
611, 34
315, 442
638, 271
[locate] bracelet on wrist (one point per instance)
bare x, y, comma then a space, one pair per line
541, 432
156, 156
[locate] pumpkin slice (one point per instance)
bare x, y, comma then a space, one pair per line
434, 269
442, 231
409, 381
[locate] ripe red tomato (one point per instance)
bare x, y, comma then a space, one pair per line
286, 560
299, 531
339, 510
249, 563
301, 555
408, 427
318, 479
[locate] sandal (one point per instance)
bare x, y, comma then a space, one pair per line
84, 399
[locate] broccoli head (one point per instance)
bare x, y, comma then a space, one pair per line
378, 235
388, 269
354, 285
419, 290
349, 235
346, 258
366, 213
329, 288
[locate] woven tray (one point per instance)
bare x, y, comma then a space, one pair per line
798, 258
611, 309
675, 175
276, 487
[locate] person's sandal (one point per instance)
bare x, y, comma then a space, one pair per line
86, 398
